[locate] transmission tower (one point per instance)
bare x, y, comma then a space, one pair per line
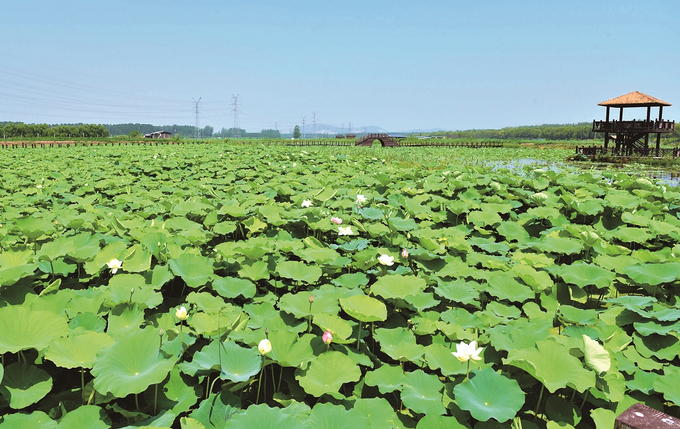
314, 125
303, 126
350, 128
237, 127
197, 131
342, 124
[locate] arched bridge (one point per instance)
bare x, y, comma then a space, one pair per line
384, 139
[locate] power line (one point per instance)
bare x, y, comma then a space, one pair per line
197, 133
303, 126
314, 125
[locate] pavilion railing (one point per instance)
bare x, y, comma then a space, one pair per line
627, 151
650, 126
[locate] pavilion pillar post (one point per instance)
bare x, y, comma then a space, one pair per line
620, 113
607, 114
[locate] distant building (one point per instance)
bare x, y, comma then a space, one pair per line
158, 135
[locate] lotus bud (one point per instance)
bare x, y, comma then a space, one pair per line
404, 253
327, 337
264, 347
181, 313
311, 299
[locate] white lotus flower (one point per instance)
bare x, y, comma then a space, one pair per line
264, 347
465, 352
306, 203
182, 313
345, 230
361, 199
114, 265
386, 260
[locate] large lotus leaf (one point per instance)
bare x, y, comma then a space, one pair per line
519, 336
137, 259
503, 285
339, 327
351, 280
195, 270
290, 350
238, 363
364, 308
603, 418
124, 319
582, 275
398, 286
463, 318
181, 224
577, 315
622, 200
449, 422
439, 357
78, 351
85, 417
299, 271
298, 305
174, 394
551, 364
660, 346
132, 364
458, 291
22, 328
482, 218
336, 416
218, 411
131, 288
378, 411
15, 266
561, 410
399, 344
254, 270
423, 393
490, 395
232, 287
204, 361
327, 373
654, 274
538, 280
85, 246
388, 378
596, 357
24, 384
189, 423
33, 228
211, 324
35, 420
371, 213
56, 248
319, 256
263, 417
111, 251
643, 381
561, 245
512, 231
629, 234
669, 384
589, 207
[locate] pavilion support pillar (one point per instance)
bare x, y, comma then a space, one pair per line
606, 140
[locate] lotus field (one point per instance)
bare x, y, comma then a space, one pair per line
224, 286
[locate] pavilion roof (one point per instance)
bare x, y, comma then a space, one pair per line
634, 99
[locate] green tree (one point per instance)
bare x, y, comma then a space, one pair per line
134, 134
296, 132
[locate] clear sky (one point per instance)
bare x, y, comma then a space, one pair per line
399, 65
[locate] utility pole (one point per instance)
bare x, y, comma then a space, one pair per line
350, 128
237, 127
303, 126
197, 131
343, 127
314, 124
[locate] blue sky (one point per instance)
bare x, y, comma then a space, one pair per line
399, 65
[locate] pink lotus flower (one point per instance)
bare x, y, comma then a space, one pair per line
327, 337
336, 220
404, 253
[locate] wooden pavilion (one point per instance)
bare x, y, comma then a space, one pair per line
633, 136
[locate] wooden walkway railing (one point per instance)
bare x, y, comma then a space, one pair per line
631, 152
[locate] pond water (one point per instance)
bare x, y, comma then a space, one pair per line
667, 176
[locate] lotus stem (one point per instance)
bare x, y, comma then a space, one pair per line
137, 402
259, 383
584, 400
155, 398
82, 384
467, 372
540, 398
278, 387
273, 379
358, 335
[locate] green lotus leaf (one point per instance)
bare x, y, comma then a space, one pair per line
538, 280
85, 246
131, 288
85, 417
504, 286
254, 270
212, 324
327, 373
189, 423
238, 363
212, 411
483, 219
132, 364
33, 228
137, 259
577, 315
439, 357
125, 319
378, 411
490, 395
398, 286
340, 328
205, 302
351, 280
298, 304
364, 308
232, 287
371, 213
551, 364
461, 317
622, 200
182, 224
15, 266
654, 274
643, 381
299, 271
388, 378
399, 344
57, 248
590, 207
336, 416
512, 231
561, 245
582, 275
78, 351
596, 357
430, 421
263, 417
458, 291
660, 346
603, 418
24, 384
399, 224
423, 393
520, 335
35, 420
22, 328
174, 393
319, 256
204, 361
632, 235
561, 410
195, 270
111, 251
288, 349
235, 210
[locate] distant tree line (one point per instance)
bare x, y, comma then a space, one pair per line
233, 132
176, 130
580, 131
21, 130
